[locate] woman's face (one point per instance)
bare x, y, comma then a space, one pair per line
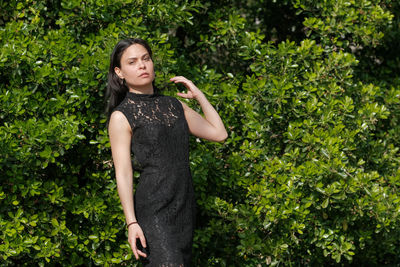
136, 67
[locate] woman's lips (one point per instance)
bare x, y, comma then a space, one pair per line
144, 75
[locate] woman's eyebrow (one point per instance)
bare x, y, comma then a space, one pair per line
136, 57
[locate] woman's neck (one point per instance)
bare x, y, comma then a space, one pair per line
148, 90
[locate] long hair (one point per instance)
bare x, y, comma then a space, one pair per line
116, 87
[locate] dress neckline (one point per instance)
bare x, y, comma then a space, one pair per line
133, 95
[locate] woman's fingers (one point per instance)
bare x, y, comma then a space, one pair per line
134, 249
180, 79
141, 254
185, 95
192, 92
142, 239
135, 233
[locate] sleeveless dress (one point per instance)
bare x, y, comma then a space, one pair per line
164, 198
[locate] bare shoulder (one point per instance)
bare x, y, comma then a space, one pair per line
118, 121
117, 116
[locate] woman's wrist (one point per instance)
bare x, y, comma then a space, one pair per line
131, 223
200, 96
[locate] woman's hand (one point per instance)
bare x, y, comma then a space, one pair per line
211, 127
134, 232
193, 91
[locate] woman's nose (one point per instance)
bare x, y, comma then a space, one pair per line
141, 64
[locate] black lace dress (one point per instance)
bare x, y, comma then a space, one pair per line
164, 197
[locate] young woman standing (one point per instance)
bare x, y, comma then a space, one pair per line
155, 129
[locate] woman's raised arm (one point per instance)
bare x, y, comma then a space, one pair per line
211, 127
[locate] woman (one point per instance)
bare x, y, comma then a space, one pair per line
155, 128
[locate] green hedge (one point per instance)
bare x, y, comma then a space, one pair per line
308, 92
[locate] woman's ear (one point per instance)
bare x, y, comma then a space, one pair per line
118, 72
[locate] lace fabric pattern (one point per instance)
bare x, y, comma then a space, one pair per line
164, 198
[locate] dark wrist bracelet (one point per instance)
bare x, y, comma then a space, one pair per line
130, 224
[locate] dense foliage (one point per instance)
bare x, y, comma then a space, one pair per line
308, 90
